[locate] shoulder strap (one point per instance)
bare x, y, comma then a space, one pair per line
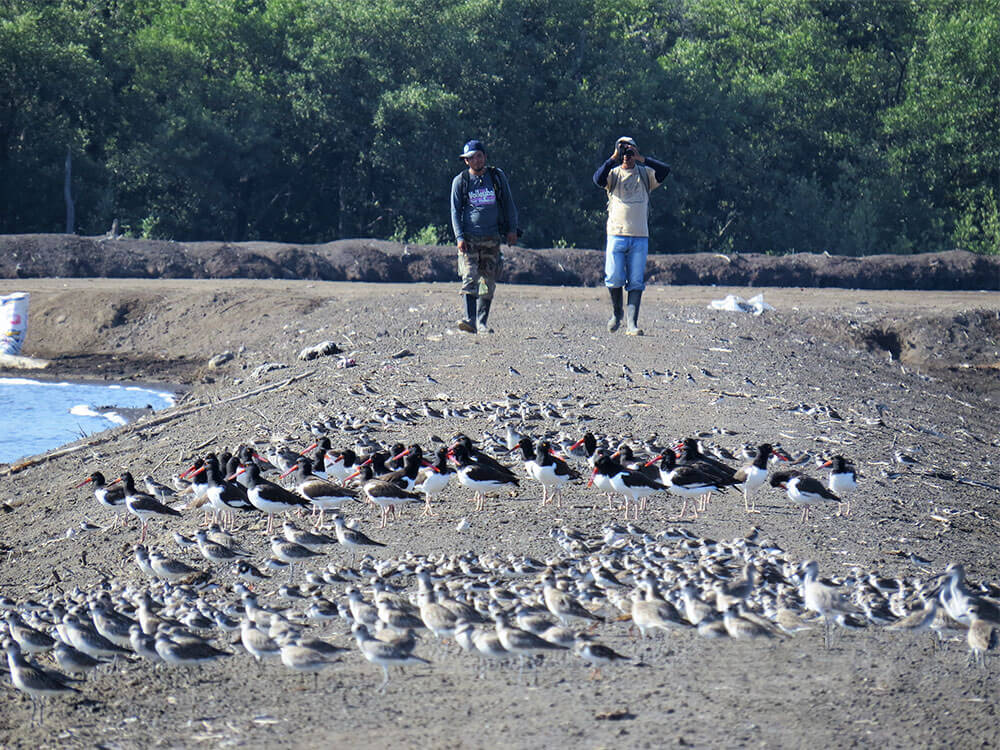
498, 192
465, 186
644, 176
497, 185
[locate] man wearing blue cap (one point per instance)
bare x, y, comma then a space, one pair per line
482, 212
629, 178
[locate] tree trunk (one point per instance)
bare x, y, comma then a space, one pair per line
340, 205
68, 194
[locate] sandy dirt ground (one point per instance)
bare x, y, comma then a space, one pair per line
904, 384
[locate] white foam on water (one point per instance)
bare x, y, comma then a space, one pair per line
38, 416
83, 410
29, 381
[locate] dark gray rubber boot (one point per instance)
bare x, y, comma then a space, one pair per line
469, 324
616, 308
483, 313
632, 313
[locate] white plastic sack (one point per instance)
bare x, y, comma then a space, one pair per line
13, 322
733, 303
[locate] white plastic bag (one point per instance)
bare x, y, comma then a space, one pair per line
733, 303
13, 322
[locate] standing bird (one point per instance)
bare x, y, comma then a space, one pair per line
352, 538
634, 485
651, 612
823, 598
843, 482
411, 460
269, 497
112, 498
340, 464
323, 494
691, 455
306, 538
291, 553
552, 472
186, 653
383, 654
30, 639
169, 569
143, 505
803, 490
74, 661
753, 475
158, 490
602, 480
562, 604
527, 449
919, 620
477, 456
223, 495
318, 457
982, 637
37, 683
432, 479
386, 495
197, 485
480, 477
214, 551
597, 655
523, 643
690, 481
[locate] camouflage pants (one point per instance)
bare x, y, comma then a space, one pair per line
480, 266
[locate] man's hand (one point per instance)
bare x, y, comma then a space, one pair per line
615, 155
639, 157
463, 246
511, 238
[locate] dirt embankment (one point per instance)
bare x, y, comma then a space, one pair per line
167, 330
70, 256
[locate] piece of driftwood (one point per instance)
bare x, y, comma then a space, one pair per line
17, 362
135, 427
205, 443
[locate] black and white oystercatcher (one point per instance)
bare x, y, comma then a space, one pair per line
480, 477
112, 498
269, 497
803, 490
142, 505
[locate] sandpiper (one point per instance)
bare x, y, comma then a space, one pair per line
215, 552
597, 655
35, 682
383, 654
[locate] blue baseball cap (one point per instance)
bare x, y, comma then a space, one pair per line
472, 147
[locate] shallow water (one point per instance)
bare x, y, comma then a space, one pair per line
37, 416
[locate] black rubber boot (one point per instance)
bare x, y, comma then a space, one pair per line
483, 313
469, 324
632, 313
615, 321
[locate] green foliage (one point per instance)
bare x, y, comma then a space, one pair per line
431, 234
850, 126
978, 228
150, 228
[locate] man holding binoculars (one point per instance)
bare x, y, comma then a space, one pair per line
628, 177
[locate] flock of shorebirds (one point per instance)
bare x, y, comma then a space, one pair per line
397, 476
498, 610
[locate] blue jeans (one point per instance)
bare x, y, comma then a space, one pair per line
625, 262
